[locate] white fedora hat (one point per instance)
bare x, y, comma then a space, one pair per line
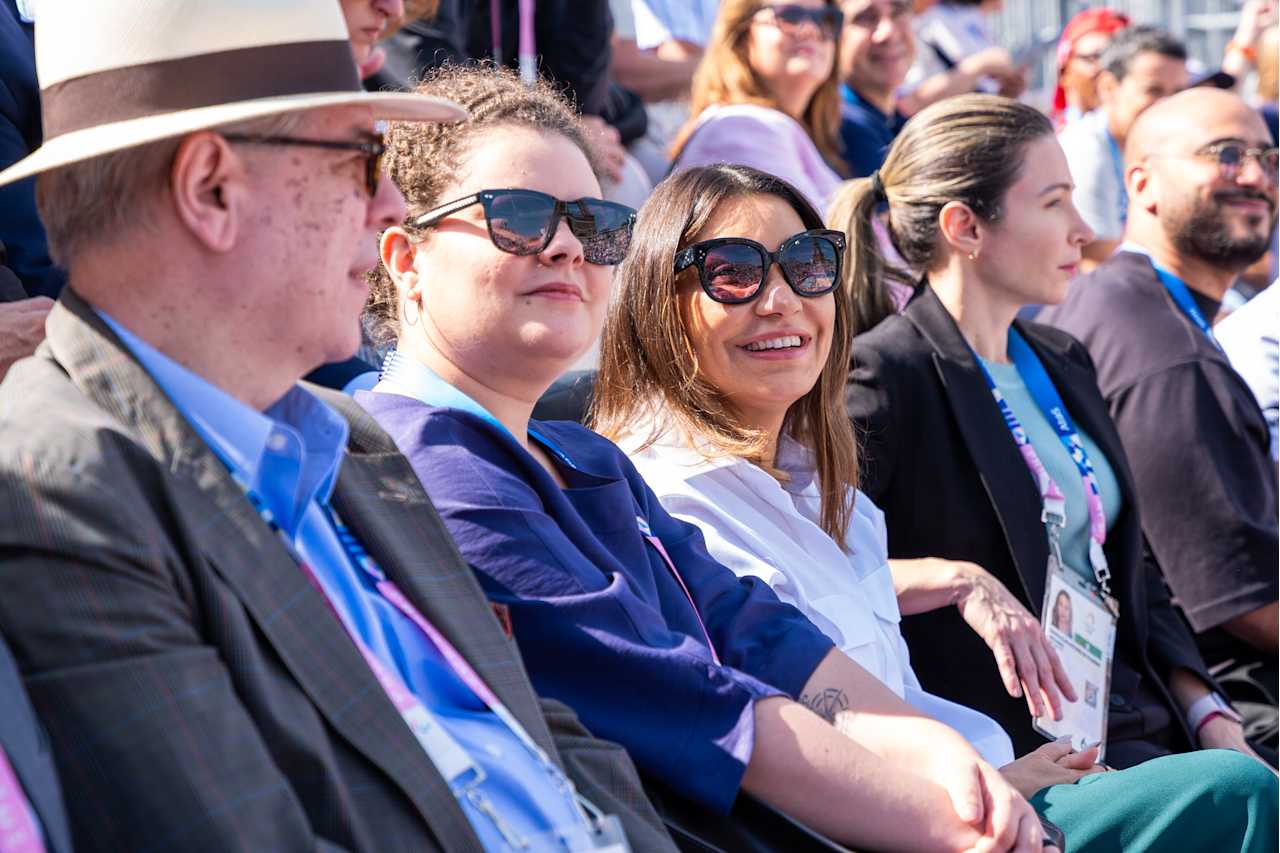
119, 73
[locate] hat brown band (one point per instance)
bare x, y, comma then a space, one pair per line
207, 80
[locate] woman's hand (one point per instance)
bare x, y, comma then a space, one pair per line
986, 800
1028, 665
1055, 763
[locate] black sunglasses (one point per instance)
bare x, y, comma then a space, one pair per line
522, 222
374, 151
733, 270
790, 17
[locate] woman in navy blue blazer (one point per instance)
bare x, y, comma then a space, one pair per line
495, 285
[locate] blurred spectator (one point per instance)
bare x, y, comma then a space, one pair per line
876, 52
368, 22
662, 81
1241, 56
1202, 178
1268, 91
767, 95
1139, 67
955, 53
433, 32
1080, 50
678, 29
572, 43
21, 318
20, 134
1249, 337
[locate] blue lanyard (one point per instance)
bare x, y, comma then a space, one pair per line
408, 377
1117, 164
1047, 399
1178, 292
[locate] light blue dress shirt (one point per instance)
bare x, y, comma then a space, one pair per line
1044, 438
289, 455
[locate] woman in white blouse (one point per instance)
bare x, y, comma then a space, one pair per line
723, 367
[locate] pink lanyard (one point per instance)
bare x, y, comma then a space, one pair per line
18, 831
662, 552
526, 52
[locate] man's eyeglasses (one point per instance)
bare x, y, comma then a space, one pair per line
374, 150
792, 18
522, 222
732, 270
1231, 157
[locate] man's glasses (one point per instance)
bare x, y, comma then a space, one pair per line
374, 151
522, 222
792, 19
732, 270
1231, 157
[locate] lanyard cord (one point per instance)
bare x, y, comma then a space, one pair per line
1050, 403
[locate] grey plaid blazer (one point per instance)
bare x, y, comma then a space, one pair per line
198, 691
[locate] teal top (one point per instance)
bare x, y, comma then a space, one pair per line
1075, 535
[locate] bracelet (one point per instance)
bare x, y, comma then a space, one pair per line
1246, 51
1207, 717
1209, 705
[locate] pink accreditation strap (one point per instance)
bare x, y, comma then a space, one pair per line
18, 830
666, 558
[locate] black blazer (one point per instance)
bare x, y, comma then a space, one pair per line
938, 459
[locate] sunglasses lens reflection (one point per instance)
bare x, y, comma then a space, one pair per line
519, 221
811, 264
733, 272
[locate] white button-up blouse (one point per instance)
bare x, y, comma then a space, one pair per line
756, 525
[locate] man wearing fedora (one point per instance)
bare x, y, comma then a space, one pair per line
235, 608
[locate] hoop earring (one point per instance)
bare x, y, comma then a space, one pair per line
404, 313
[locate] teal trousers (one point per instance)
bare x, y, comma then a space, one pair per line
1214, 800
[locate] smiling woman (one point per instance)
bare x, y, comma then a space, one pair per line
766, 94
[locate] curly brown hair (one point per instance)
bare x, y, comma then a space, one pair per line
425, 158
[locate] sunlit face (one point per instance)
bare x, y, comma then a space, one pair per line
730, 340
501, 317
1224, 217
314, 234
1032, 251
877, 47
789, 59
1151, 76
1080, 75
367, 22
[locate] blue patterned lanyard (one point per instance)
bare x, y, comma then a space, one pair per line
1178, 292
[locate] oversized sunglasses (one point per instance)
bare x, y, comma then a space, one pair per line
374, 150
733, 270
790, 18
522, 222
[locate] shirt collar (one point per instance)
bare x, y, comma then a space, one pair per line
288, 455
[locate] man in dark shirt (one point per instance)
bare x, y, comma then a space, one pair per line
876, 52
1201, 178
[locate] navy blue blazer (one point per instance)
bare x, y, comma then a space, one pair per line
602, 623
27, 749
20, 133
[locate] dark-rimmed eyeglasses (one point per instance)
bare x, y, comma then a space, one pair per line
732, 270
522, 222
791, 18
374, 151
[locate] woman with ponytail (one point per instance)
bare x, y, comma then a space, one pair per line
992, 453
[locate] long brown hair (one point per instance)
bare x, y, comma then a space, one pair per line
725, 76
969, 149
649, 370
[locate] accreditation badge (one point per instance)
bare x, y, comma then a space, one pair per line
1082, 630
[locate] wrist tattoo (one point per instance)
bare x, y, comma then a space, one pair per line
826, 703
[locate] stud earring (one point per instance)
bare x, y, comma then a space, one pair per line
973, 256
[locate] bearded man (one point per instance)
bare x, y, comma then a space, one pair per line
1201, 178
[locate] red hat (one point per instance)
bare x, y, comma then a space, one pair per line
1098, 20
